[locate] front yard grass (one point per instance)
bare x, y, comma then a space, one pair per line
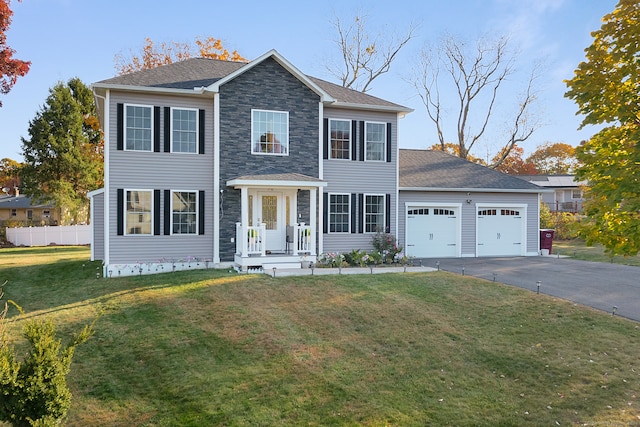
579, 250
211, 347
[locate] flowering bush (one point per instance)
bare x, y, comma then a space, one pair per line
387, 246
331, 259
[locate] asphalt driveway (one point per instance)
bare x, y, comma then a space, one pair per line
598, 285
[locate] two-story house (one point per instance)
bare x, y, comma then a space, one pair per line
255, 164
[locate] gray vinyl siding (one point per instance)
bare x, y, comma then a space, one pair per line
97, 226
468, 213
160, 171
366, 177
266, 86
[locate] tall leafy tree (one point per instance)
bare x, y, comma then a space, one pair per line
153, 56
606, 88
9, 180
64, 154
10, 67
514, 164
556, 158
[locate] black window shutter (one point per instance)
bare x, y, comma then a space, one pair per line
156, 129
361, 213
353, 212
201, 212
167, 212
156, 212
201, 128
120, 126
388, 142
325, 212
120, 213
325, 138
167, 129
354, 141
387, 214
362, 141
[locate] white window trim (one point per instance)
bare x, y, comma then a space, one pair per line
197, 211
364, 213
124, 213
171, 130
350, 139
329, 213
260, 153
384, 147
124, 127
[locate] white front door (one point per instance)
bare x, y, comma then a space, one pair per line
269, 210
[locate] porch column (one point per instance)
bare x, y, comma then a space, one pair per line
244, 219
313, 218
293, 220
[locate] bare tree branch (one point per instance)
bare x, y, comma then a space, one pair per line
476, 77
365, 57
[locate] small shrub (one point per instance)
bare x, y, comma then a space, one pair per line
34, 392
386, 245
331, 259
354, 258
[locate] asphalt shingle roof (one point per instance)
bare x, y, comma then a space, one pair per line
436, 169
20, 202
198, 72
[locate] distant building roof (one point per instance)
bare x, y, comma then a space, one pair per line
438, 171
553, 181
20, 202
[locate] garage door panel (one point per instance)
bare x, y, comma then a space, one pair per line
500, 231
432, 232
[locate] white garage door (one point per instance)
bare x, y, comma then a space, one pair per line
432, 232
500, 231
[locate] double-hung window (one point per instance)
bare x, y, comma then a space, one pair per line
184, 212
139, 212
138, 127
375, 141
339, 209
184, 130
269, 132
374, 207
340, 139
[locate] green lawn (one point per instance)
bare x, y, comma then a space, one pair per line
202, 348
578, 250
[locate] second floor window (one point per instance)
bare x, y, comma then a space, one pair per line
138, 127
339, 139
184, 130
375, 141
269, 132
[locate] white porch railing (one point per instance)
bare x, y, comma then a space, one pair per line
304, 238
250, 240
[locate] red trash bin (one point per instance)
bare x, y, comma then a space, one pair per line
546, 240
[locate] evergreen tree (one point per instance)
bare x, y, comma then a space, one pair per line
64, 154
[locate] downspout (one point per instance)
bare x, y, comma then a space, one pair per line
320, 210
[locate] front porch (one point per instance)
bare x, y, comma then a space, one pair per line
278, 222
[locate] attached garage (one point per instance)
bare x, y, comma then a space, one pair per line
450, 207
500, 230
433, 231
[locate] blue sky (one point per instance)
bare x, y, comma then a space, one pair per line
79, 38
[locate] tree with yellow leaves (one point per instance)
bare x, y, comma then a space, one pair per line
606, 87
153, 56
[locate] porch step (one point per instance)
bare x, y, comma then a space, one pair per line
278, 265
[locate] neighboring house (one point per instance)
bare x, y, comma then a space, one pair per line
255, 164
21, 210
450, 207
567, 194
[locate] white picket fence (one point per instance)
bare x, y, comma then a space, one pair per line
45, 236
